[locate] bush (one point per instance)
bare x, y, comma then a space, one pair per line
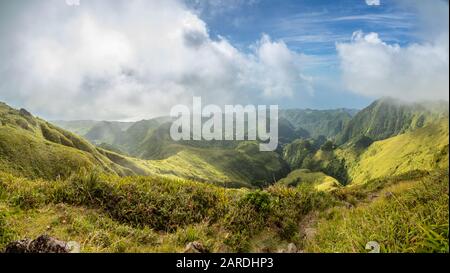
158, 203
328, 146
278, 207
259, 200
6, 234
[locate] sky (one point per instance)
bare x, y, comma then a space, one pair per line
136, 59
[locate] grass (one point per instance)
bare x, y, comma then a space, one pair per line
244, 166
408, 216
424, 148
107, 213
319, 180
95, 208
33, 148
54, 182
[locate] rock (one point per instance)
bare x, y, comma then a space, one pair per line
47, 244
292, 248
20, 246
195, 247
24, 112
73, 247
42, 244
309, 233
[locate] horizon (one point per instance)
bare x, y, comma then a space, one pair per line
393, 100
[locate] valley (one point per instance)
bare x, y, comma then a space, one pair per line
128, 187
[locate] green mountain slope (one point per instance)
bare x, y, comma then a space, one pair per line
420, 149
389, 117
397, 195
244, 165
319, 180
326, 123
32, 147
405, 215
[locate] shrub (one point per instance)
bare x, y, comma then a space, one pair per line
6, 234
142, 201
258, 199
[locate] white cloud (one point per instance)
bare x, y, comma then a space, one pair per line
283, 66
94, 62
416, 71
373, 2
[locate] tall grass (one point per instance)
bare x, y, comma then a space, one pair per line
406, 217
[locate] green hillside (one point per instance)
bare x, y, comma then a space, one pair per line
149, 214
408, 215
319, 180
420, 149
328, 123
147, 193
389, 117
244, 165
32, 147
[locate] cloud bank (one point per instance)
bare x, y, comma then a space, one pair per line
418, 71
133, 60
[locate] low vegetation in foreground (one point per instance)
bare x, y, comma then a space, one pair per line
106, 213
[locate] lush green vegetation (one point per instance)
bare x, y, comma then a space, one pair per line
408, 213
387, 117
421, 149
139, 191
148, 207
32, 147
319, 180
407, 216
328, 123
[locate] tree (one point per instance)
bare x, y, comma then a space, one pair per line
328, 146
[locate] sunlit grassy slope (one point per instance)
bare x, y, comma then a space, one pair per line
410, 215
420, 149
327, 123
319, 180
150, 214
242, 166
32, 147
54, 182
389, 117
106, 213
